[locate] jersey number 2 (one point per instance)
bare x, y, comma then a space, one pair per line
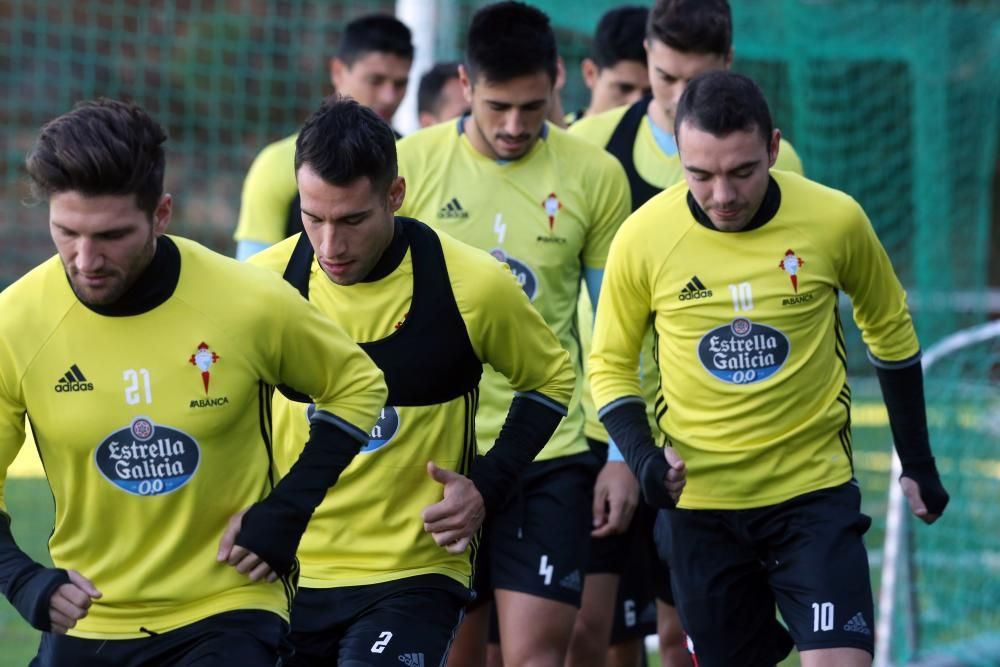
133, 394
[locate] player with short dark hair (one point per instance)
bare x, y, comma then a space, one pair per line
615, 72
439, 96
144, 362
386, 574
547, 205
684, 38
757, 472
372, 65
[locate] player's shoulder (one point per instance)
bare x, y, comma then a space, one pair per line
275, 258
39, 298
213, 278
799, 191
280, 150
597, 129
666, 216
429, 140
587, 159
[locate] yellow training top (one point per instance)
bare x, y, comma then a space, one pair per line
750, 346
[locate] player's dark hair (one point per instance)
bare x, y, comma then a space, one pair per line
508, 40
344, 141
431, 85
692, 26
101, 147
723, 102
378, 33
619, 36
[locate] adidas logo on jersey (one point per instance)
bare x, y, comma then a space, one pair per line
412, 659
453, 210
73, 380
694, 290
857, 624
571, 581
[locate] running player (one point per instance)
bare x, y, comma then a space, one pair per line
144, 362
546, 204
684, 38
439, 95
616, 71
372, 65
754, 399
385, 580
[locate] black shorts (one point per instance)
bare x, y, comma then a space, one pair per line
537, 543
246, 637
806, 555
409, 622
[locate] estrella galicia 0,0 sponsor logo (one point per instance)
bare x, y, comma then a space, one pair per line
384, 431
743, 352
525, 276
148, 459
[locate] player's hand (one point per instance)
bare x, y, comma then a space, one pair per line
453, 521
245, 561
676, 476
616, 495
71, 602
912, 491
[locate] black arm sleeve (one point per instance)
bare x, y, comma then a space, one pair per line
903, 393
626, 424
529, 425
273, 527
28, 585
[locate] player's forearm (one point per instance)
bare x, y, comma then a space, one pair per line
625, 420
902, 386
273, 527
26, 584
531, 421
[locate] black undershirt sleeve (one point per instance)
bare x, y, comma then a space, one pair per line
625, 421
273, 527
903, 393
26, 584
529, 425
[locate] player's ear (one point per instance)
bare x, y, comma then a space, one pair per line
337, 67
161, 214
589, 70
729, 57
772, 149
397, 192
463, 77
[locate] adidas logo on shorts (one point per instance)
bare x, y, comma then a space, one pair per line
857, 624
453, 210
73, 380
571, 581
694, 290
412, 659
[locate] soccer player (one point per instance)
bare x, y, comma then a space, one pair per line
684, 38
144, 362
616, 71
439, 95
372, 65
385, 580
546, 204
756, 406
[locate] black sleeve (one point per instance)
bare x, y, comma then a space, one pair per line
530, 423
26, 584
903, 393
625, 421
273, 527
